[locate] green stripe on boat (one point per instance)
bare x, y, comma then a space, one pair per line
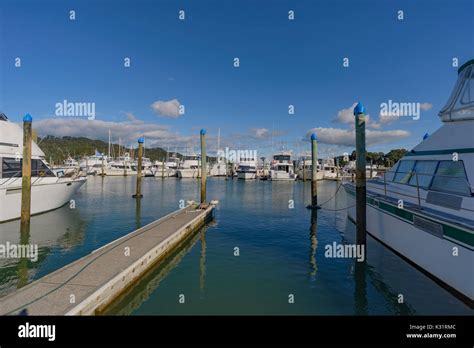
449, 231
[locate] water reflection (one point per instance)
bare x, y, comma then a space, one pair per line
140, 293
202, 261
313, 243
58, 230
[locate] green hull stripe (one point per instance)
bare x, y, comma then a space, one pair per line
448, 231
439, 152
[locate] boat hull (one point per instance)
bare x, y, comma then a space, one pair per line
46, 194
430, 252
246, 175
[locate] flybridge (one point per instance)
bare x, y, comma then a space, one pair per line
460, 105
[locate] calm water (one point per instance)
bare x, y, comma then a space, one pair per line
281, 252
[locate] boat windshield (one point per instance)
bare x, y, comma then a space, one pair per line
460, 105
281, 157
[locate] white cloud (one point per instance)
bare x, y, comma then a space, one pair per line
128, 132
337, 136
260, 132
168, 108
346, 116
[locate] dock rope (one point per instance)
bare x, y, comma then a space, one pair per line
320, 206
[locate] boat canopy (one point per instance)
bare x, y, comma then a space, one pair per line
11, 140
460, 105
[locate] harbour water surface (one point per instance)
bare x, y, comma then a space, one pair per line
280, 268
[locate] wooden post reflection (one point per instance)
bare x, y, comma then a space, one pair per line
202, 261
360, 292
313, 242
22, 270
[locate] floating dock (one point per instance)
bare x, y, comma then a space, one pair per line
89, 284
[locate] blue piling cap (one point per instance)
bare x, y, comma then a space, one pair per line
203, 131
314, 137
359, 109
425, 136
27, 118
141, 140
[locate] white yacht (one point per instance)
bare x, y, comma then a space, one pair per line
282, 167
219, 168
304, 168
190, 167
92, 165
69, 167
48, 190
423, 208
247, 168
122, 166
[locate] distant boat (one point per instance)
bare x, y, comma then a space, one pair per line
48, 189
423, 207
282, 167
190, 167
247, 168
92, 165
304, 168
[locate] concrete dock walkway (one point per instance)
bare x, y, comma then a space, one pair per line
94, 281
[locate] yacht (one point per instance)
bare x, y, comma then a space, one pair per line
329, 169
48, 189
147, 167
282, 167
122, 166
190, 167
247, 168
423, 207
92, 165
69, 167
304, 168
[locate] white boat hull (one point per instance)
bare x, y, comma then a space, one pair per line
246, 175
280, 175
46, 194
188, 173
430, 252
308, 174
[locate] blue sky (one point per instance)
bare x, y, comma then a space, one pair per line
282, 62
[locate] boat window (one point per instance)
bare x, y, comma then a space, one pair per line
390, 174
39, 168
11, 168
404, 172
451, 177
424, 171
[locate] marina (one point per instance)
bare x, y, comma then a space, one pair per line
275, 260
235, 165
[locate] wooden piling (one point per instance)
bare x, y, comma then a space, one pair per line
203, 165
138, 191
359, 113
314, 172
26, 175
